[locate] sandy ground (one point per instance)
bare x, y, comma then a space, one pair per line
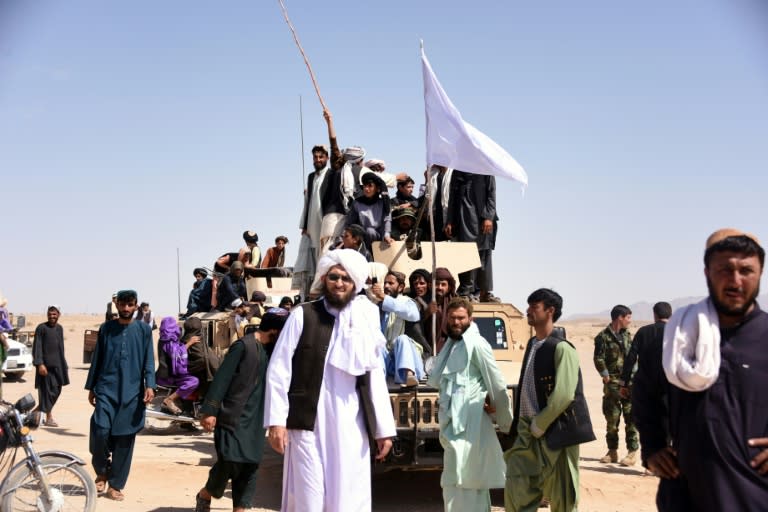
168, 470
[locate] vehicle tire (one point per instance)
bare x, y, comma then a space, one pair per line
70, 482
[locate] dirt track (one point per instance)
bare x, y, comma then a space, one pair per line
168, 470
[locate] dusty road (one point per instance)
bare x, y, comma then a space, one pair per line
168, 470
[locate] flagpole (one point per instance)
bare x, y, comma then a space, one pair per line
303, 54
430, 198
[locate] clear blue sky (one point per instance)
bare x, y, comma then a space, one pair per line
131, 129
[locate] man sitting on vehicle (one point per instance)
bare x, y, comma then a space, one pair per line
200, 296
202, 361
353, 237
406, 345
403, 220
231, 287
258, 298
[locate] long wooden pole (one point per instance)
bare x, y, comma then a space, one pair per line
303, 54
430, 196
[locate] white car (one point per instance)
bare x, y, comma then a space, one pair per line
19, 359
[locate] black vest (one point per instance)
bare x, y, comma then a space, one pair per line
246, 378
307, 366
573, 426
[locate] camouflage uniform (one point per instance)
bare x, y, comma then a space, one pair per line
610, 351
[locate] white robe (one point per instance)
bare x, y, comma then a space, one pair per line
327, 469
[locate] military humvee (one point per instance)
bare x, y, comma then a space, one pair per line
416, 410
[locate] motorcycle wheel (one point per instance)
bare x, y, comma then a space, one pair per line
72, 488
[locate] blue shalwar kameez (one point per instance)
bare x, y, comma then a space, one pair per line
123, 366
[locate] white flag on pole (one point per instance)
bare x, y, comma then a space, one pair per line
453, 142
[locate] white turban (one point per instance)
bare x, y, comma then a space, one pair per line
352, 261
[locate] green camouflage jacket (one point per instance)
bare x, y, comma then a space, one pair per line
610, 352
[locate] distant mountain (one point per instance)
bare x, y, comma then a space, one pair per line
643, 311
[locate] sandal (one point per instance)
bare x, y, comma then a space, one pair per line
115, 494
101, 483
171, 407
51, 423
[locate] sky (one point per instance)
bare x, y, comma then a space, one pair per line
131, 132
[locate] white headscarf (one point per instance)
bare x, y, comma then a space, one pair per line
357, 348
353, 262
691, 353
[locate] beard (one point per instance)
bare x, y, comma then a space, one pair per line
338, 300
724, 309
125, 315
458, 332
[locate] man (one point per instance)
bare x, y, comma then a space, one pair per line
472, 218
202, 362
401, 324
121, 381
445, 291
322, 196
144, 314
646, 345
256, 307
551, 416
439, 181
111, 313
51, 364
467, 376
200, 296
326, 370
231, 287
275, 256
234, 410
403, 230
404, 197
611, 348
650, 407
715, 359
353, 237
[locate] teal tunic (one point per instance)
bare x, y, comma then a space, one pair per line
246, 442
465, 373
123, 366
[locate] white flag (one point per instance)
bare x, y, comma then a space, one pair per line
453, 142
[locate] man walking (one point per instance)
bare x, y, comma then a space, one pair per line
52, 372
326, 370
611, 348
467, 376
551, 417
121, 381
715, 359
234, 410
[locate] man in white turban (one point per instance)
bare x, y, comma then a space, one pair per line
326, 395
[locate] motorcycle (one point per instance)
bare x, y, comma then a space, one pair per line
161, 422
49, 481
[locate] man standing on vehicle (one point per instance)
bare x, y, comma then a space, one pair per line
233, 409
551, 416
121, 381
611, 347
326, 392
50, 364
467, 376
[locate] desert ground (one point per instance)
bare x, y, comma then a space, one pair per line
168, 470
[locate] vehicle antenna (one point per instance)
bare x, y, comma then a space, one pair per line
178, 278
301, 124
